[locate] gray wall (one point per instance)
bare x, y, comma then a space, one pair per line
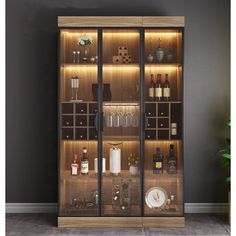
32, 90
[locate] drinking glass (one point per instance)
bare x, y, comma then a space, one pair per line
110, 119
134, 119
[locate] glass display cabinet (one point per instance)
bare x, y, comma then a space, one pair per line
120, 121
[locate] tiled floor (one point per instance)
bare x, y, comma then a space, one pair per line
42, 224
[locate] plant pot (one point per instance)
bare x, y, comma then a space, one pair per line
133, 170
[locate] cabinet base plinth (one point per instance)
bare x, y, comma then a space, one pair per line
123, 222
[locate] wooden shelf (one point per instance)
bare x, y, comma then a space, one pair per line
148, 174
163, 64
79, 65
66, 175
121, 103
163, 102
121, 65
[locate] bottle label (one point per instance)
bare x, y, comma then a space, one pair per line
166, 92
74, 169
159, 165
172, 166
173, 131
151, 92
158, 92
84, 167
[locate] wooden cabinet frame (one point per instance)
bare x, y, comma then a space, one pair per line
100, 23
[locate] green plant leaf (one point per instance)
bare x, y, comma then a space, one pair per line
227, 179
225, 149
226, 155
225, 162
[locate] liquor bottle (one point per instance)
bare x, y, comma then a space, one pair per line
151, 91
166, 89
158, 162
84, 163
74, 165
172, 161
158, 88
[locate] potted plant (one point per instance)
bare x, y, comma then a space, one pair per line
133, 164
225, 153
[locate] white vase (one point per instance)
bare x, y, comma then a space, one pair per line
160, 54
133, 170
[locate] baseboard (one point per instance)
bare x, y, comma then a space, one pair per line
31, 207
206, 207
52, 207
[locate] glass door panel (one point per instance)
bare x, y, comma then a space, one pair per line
78, 123
121, 133
163, 163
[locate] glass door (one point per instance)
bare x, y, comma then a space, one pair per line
121, 189
163, 161
78, 123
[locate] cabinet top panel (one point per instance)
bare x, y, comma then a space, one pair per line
120, 21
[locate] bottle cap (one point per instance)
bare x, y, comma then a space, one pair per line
84, 150
171, 146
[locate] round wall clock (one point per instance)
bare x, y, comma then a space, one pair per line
156, 197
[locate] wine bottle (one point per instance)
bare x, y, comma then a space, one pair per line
158, 88
172, 161
151, 91
166, 89
158, 162
84, 163
74, 165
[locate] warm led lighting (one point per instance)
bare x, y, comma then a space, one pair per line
121, 104
121, 34
121, 67
80, 67
79, 33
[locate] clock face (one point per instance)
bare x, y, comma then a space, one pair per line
156, 197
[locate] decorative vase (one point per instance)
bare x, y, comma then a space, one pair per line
85, 55
106, 92
133, 170
150, 58
160, 52
169, 56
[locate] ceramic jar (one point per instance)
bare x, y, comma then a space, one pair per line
160, 54
169, 57
150, 58
133, 170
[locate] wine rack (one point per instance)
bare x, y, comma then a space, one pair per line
159, 117
78, 121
